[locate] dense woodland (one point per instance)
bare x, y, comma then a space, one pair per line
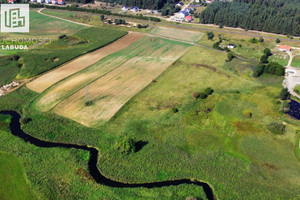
277, 16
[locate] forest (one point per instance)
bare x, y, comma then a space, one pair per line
276, 16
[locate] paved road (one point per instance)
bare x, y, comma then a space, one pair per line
183, 27
292, 77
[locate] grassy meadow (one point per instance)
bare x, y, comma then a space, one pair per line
109, 81
14, 185
222, 140
8, 69
296, 61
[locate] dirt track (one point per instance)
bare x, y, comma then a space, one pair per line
45, 81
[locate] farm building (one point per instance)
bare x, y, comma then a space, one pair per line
134, 9
188, 18
125, 8
231, 46
188, 10
155, 12
182, 14
285, 48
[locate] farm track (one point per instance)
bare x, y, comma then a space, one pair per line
16, 130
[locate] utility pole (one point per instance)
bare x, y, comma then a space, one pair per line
87, 98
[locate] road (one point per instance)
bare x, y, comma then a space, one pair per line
249, 33
292, 77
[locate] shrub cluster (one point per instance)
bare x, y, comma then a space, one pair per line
203, 95
126, 146
276, 128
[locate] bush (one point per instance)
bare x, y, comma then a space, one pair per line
127, 145
175, 110
62, 36
210, 35
264, 59
277, 40
196, 95
259, 70
89, 103
261, 40
253, 40
230, 56
202, 95
247, 113
276, 128
284, 94
267, 52
285, 107
274, 68
208, 91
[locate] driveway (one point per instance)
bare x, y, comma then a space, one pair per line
292, 76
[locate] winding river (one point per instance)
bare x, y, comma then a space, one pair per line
16, 130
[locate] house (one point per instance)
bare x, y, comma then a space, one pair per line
182, 14
231, 46
33, 0
10, 1
149, 11
209, 1
188, 10
54, 2
180, 4
285, 48
125, 8
188, 18
40, 1
60, 2
134, 9
49, 1
155, 12
197, 1
194, 6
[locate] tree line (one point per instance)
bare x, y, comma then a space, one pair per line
276, 16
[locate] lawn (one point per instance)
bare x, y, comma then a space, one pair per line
296, 61
14, 185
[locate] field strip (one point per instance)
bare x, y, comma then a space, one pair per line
177, 34
66, 87
109, 93
45, 81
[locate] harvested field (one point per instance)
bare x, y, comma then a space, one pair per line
172, 33
45, 81
109, 93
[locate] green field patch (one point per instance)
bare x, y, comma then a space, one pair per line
296, 61
8, 69
178, 34
13, 183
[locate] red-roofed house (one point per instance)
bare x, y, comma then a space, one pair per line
61, 2
188, 18
285, 48
11, 1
